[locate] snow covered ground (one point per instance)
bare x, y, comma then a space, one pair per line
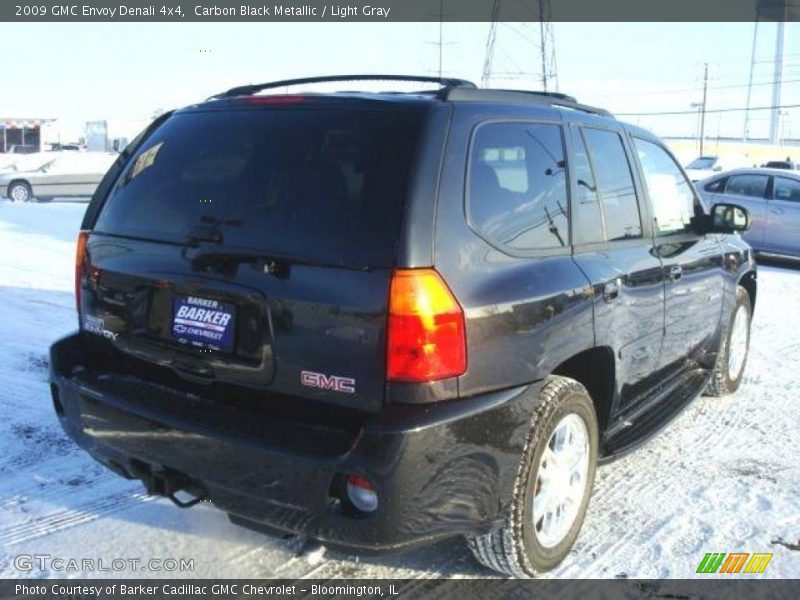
723, 477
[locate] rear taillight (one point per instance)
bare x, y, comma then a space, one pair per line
80, 255
426, 338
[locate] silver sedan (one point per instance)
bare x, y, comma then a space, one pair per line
66, 174
772, 196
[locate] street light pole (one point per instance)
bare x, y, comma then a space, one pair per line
703, 109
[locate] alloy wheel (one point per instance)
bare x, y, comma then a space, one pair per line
737, 347
561, 481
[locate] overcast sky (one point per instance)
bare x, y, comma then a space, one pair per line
79, 72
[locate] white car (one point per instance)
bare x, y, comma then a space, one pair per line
16, 163
67, 174
704, 166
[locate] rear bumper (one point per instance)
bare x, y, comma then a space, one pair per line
440, 470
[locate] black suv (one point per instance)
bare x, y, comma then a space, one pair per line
384, 319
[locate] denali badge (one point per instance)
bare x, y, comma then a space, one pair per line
97, 326
328, 382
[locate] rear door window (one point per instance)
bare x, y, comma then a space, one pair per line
517, 191
612, 183
587, 213
323, 184
754, 186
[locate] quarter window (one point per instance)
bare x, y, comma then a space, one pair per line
670, 194
787, 189
716, 186
517, 193
747, 185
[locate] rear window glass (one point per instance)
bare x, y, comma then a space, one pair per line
327, 184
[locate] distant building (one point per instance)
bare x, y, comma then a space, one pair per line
29, 133
112, 135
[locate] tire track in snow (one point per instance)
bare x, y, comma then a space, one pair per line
437, 561
36, 445
23, 486
638, 479
708, 432
67, 518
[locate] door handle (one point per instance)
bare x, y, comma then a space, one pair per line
777, 211
675, 272
611, 290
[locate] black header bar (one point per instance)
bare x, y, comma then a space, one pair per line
393, 589
284, 11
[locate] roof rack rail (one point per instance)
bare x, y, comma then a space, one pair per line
463, 94
250, 89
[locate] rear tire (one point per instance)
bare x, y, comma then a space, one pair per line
732, 357
20, 191
563, 428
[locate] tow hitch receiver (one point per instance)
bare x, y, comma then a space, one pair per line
167, 482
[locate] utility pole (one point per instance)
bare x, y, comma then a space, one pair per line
746, 133
440, 43
703, 108
441, 34
489, 54
775, 117
545, 48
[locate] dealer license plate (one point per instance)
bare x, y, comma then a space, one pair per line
203, 323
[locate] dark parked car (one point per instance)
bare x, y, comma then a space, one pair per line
780, 164
385, 319
772, 197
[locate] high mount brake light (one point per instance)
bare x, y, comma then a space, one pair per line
274, 99
426, 338
80, 256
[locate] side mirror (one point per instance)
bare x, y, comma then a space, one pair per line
728, 218
717, 168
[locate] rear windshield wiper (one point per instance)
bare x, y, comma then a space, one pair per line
210, 229
204, 233
229, 260
280, 266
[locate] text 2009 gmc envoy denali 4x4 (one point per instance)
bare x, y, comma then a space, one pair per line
384, 319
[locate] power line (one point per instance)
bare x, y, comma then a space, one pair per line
694, 112
772, 60
695, 89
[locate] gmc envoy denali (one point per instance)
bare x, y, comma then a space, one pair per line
384, 319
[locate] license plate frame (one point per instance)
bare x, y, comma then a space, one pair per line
203, 323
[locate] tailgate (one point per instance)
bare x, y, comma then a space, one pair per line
311, 331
